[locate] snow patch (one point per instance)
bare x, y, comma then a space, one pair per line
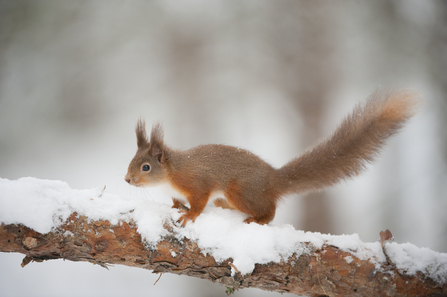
411, 259
349, 259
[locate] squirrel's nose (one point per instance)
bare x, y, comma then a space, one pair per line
127, 180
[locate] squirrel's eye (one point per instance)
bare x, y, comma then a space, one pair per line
146, 167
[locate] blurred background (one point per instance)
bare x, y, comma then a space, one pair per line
272, 77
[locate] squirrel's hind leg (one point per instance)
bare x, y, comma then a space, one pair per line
261, 209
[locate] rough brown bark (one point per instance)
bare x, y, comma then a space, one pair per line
323, 272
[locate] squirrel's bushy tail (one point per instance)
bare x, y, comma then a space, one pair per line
356, 142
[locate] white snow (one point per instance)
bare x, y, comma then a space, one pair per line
45, 204
411, 259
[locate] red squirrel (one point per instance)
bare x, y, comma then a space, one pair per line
243, 181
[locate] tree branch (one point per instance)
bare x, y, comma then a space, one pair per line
322, 272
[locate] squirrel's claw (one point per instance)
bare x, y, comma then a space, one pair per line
185, 218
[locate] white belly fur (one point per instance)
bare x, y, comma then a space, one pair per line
170, 191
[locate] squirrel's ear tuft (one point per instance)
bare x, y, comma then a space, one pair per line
156, 143
157, 134
140, 130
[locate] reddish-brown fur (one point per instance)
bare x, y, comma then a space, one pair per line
253, 186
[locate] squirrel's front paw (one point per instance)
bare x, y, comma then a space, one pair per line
185, 218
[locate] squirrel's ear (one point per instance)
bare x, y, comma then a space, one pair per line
157, 152
140, 130
156, 142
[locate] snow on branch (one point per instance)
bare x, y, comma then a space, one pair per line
48, 220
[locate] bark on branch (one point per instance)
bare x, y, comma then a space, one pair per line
323, 272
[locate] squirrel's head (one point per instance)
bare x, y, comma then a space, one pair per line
148, 166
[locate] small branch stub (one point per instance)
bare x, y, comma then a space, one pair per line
386, 236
